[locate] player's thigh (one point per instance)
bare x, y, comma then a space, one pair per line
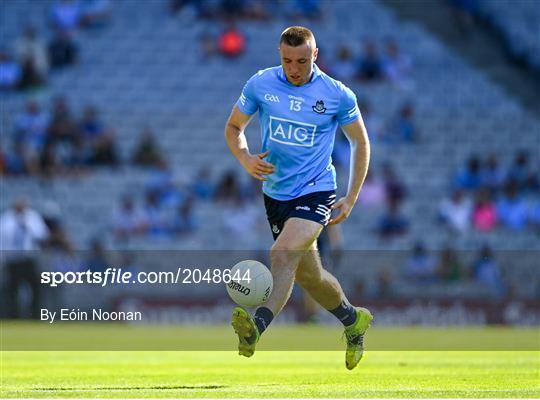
297, 236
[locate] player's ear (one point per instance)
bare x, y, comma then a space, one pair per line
315, 54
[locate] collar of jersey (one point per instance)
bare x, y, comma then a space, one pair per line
316, 73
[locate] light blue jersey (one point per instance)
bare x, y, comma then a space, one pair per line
298, 128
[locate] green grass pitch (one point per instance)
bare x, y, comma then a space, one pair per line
223, 374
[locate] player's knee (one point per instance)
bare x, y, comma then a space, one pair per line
284, 254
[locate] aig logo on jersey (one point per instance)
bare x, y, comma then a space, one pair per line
292, 133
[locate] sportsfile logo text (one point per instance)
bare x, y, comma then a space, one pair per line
292, 133
120, 276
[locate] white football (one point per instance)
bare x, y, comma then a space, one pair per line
251, 283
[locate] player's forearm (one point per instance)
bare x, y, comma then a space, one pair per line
360, 155
237, 142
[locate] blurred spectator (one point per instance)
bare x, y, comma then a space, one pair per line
30, 78
153, 215
99, 140
162, 183
31, 53
62, 127
533, 183
22, 230
450, 268
485, 213
421, 267
50, 164
404, 127
3, 162
228, 188
392, 223
10, 72
373, 193
31, 130
469, 178
62, 50
79, 158
66, 16
95, 13
58, 237
147, 153
512, 208
491, 174
344, 67
16, 161
396, 65
370, 65
456, 211
395, 188
519, 171
127, 219
232, 42
202, 184
487, 272
183, 221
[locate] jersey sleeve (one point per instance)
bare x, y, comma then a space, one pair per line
348, 108
247, 103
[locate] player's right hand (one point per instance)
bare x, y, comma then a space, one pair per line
256, 166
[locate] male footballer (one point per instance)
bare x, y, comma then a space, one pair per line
299, 109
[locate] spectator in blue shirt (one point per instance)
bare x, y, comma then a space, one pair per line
469, 177
512, 208
492, 175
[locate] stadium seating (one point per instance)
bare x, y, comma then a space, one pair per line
146, 67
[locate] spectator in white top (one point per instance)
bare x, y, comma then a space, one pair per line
128, 220
31, 50
455, 211
22, 230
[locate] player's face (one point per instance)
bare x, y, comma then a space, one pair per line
298, 62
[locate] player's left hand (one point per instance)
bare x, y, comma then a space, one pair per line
345, 206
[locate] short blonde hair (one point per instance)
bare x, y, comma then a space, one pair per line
296, 36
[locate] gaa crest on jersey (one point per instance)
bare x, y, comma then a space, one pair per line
319, 107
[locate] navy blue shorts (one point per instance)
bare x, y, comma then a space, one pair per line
312, 206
